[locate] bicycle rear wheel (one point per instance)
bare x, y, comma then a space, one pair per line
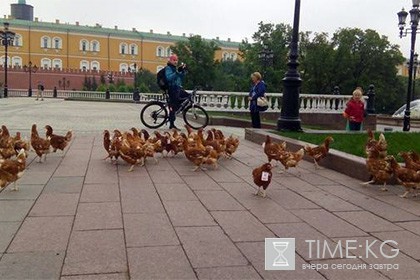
195, 116
154, 114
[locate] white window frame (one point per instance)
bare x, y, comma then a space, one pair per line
3, 58
98, 46
46, 63
168, 51
134, 49
18, 41
45, 39
160, 51
233, 56
225, 56
84, 65
58, 43
86, 45
123, 48
95, 64
16, 61
57, 62
123, 67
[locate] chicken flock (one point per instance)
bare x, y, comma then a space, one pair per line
199, 147
278, 151
14, 151
383, 167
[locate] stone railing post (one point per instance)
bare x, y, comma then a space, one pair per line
370, 107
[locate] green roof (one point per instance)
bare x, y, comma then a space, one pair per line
99, 30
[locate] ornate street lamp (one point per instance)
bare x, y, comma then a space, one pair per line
289, 118
402, 16
416, 65
6, 37
30, 69
266, 56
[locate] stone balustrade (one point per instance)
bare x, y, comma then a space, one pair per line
212, 100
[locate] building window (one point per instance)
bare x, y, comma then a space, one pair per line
133, 49
168, 51
84, 65
225, 56
233, 56
57, 64
16, 61
123, 67
46, 63
57, 43
123, 48
84, 45
95, 66
95, 46
159, 51
160, 67
9, 62
17, 41
45, 42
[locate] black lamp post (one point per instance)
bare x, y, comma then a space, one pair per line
30, 69
289, 117
416, 64
6, 37
266, 56
402, 16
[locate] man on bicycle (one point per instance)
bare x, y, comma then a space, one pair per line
177, 94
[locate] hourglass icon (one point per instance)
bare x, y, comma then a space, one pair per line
280, 247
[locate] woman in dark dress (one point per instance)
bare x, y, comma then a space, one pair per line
258, 90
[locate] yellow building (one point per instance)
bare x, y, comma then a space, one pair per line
74, 46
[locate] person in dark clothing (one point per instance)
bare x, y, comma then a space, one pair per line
177, 94
257, 90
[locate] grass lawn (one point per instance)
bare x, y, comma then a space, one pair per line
354, 143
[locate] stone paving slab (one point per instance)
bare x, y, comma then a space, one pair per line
209, 247
242, 226
94, 216
218, 200
28, 192
42, 234
14, 210
328, 224
100, 193
329, 202
55, 204
188, 213
407, 241
110, 276
91, 252
367, 221
71, 184
149, 230
8, 230
35, 265
411, 226
167, 262
177, 192
236, 272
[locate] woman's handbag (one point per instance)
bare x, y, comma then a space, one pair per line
262, 103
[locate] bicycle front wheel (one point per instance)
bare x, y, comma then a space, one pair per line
154, 114
195, 116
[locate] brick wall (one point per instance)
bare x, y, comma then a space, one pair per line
17, 78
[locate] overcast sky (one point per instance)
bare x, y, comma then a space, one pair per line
235, 19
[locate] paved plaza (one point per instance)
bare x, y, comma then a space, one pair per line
77, 216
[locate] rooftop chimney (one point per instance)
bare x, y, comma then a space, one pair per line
36, 19
217, 38
151, 31
228, 39
183, 35
57, 21
116, 27
77, 23
168, 33
134, 29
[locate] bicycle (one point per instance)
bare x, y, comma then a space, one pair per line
156, 113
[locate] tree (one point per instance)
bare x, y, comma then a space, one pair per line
198, 54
